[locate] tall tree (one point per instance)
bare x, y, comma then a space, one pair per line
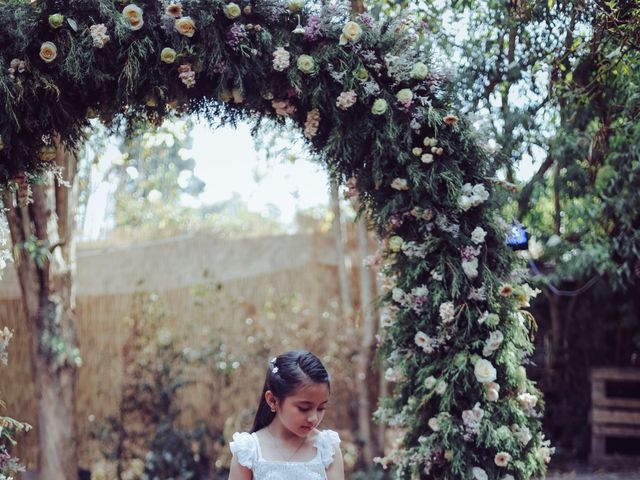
42, 232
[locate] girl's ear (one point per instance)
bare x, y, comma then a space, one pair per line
271, 400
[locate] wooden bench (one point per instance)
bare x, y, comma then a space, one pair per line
615, 416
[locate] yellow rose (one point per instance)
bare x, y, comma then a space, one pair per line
306, 64
48, 52
56, 20
232, 11
361, 74
419, 71
236, 93
351, 32
133, 14
405, 95
379, 106
295, 5
395, 243
48, 153
185, 26
168, 55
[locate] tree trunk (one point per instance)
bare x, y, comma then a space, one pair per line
44, 254
364, 370
345, 289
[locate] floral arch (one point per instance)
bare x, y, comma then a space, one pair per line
454, 333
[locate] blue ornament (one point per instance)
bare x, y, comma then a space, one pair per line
518, 238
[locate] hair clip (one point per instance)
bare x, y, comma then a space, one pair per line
273, 360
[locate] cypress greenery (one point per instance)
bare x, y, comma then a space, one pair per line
455, 333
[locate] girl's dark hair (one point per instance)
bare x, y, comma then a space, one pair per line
285, 374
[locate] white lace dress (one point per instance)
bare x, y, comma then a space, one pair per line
246, 447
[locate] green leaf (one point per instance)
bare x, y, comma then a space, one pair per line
72, 23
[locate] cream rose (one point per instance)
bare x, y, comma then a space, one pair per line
168, 55
174, 10
351, 33
133, 14
433, 424
48, 52
400, 184
484, 371
232, 11
185, 26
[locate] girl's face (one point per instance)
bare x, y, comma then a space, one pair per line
303, 411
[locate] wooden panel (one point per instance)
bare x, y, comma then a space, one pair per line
614, 460
599, 431
622, 403
623, 417
618, 374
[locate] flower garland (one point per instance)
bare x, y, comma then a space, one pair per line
455, 333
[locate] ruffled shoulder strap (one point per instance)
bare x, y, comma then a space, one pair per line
245, 449
326, 442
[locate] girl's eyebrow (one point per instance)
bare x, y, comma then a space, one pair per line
311, 403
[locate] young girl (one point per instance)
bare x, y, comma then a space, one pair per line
284, 443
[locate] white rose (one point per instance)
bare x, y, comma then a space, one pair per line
464, 202
427, 158
470, 268
502, 459
433, 424
478, 235
441, 387
492, 343
492, 395
398, 295
484, 371
430, 382
527, 401
479, 473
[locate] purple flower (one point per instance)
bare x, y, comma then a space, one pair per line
469, 253
365, 19
236, 34
312, 30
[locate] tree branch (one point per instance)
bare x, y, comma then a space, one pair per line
525, 195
